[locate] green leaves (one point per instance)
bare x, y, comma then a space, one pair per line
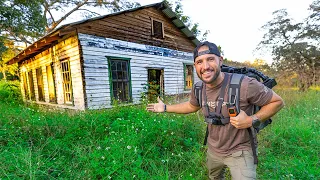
295, 46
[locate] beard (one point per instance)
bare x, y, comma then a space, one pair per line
211, 79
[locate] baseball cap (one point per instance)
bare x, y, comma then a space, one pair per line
213, 49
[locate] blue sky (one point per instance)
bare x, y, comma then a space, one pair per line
235, 25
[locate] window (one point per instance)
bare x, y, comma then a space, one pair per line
188, 75
157, 29
66, 81
120, 79
25, 85
40, 84
31, 86
51, 86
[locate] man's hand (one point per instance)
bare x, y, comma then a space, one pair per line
158, 107
241, 121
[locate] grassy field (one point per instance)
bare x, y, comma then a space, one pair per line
130, 143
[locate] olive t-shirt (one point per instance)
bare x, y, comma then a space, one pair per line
227, 139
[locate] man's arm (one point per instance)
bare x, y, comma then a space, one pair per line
182, 108
267, 111
243, 121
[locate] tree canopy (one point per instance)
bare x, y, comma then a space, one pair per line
24, 21
295, 46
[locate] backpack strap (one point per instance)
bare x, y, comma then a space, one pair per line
197, 90
234, 90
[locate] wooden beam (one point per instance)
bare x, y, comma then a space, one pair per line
48, 40
63, 32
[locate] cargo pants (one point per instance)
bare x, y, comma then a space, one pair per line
240, 163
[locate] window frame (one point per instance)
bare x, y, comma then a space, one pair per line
71, 102
113, 58
185, 75
152, 28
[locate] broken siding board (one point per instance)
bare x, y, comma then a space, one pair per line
97, 91
94, 74
103, 72
100, 47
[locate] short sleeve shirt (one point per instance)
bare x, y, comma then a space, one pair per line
227, 139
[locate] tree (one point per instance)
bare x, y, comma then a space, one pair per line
293, 46
24, 21
27, 20
5, 56
20, 21
194, 27
50, 6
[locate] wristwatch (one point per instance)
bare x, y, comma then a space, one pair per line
255, 121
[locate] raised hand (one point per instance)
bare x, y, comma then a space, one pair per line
157, 107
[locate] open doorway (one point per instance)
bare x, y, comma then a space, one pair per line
155, 84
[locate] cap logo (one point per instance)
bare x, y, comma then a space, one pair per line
204, 52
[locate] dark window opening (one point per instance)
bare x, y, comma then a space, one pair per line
51, 84
31, 86
188, 76
155, 84
157, 29
40, 84
25, 85
120, 80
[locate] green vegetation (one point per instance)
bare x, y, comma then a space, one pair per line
10, 92
289, 149
128, 143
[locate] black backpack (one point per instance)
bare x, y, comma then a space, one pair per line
233, 97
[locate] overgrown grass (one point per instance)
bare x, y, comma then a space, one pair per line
290, 147
130, 143
122, 143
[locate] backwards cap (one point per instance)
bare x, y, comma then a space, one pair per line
213, 49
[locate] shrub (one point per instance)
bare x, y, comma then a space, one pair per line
10, 92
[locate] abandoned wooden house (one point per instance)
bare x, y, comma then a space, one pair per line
88, 64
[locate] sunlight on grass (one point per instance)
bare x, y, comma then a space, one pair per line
130, 143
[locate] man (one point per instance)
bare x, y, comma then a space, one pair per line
229, 144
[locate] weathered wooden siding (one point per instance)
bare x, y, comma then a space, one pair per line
136, 27
66, 48
95, 51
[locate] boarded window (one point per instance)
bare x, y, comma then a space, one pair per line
66, 81
51, 85
31, 86
40, 84
120, 80
25, 85
188, 69
157, 29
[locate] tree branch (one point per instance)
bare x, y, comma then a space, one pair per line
46, 7
54, 25
89, 11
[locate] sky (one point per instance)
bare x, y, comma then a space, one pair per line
236, 25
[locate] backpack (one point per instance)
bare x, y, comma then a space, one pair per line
233, 99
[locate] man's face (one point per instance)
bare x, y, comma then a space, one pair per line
208, 66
